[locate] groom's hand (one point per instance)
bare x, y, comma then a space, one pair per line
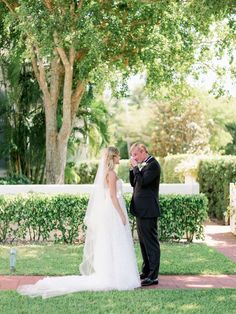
133, 162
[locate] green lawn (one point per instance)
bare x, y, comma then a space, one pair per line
209, 301
175, 259
65, 259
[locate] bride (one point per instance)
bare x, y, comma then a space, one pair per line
109, 261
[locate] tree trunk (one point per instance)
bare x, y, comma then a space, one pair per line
57, 139
56, 147
55, 159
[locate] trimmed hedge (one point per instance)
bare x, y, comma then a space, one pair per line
42, 217
183, 216
214, 174
214, 177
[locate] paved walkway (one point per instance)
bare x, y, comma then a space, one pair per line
221, 238
166, 282
217, 236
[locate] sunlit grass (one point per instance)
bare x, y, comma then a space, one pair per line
205, 301
65, 259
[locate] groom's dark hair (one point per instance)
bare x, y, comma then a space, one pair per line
139, 146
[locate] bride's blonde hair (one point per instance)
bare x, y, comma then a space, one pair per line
111, 152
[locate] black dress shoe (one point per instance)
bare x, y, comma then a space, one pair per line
142, 276
149, 282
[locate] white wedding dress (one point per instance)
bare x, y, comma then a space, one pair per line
109, 261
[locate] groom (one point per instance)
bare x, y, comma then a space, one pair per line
145, 179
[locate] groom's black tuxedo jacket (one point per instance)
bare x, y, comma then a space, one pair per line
145, 198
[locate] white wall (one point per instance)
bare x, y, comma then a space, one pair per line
190, 188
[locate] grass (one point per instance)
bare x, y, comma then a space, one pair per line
175, 259
58, 259
209, 301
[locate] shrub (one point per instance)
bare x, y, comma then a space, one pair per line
182, 216
214, 177
42, 217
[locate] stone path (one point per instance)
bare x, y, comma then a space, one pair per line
217, 236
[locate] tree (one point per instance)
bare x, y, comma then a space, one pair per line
179, 127
218, 112
73, 42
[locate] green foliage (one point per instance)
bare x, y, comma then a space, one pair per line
69, 213
87, 171
23, 122
170, 163
92, 122
15, 179
162, 35
76, 42
123, 170
214, 176
122, 146
41, 217
71, 173
218, 113
179, 127
182, 216
230, 148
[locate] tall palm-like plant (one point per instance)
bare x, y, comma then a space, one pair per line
24, 123
91, 132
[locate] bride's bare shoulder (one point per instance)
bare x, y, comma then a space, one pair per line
111, 175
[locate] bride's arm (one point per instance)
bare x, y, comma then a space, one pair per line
112, 189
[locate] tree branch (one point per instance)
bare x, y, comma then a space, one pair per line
48, 4
55, 81
72, 56
34, 64
61, 51
80, 4
40, 73
11, 7
76, 98
67, 92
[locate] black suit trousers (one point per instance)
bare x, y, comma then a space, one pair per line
150, 246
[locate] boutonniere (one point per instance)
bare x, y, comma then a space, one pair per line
143, 164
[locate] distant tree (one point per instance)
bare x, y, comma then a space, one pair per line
179, 127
